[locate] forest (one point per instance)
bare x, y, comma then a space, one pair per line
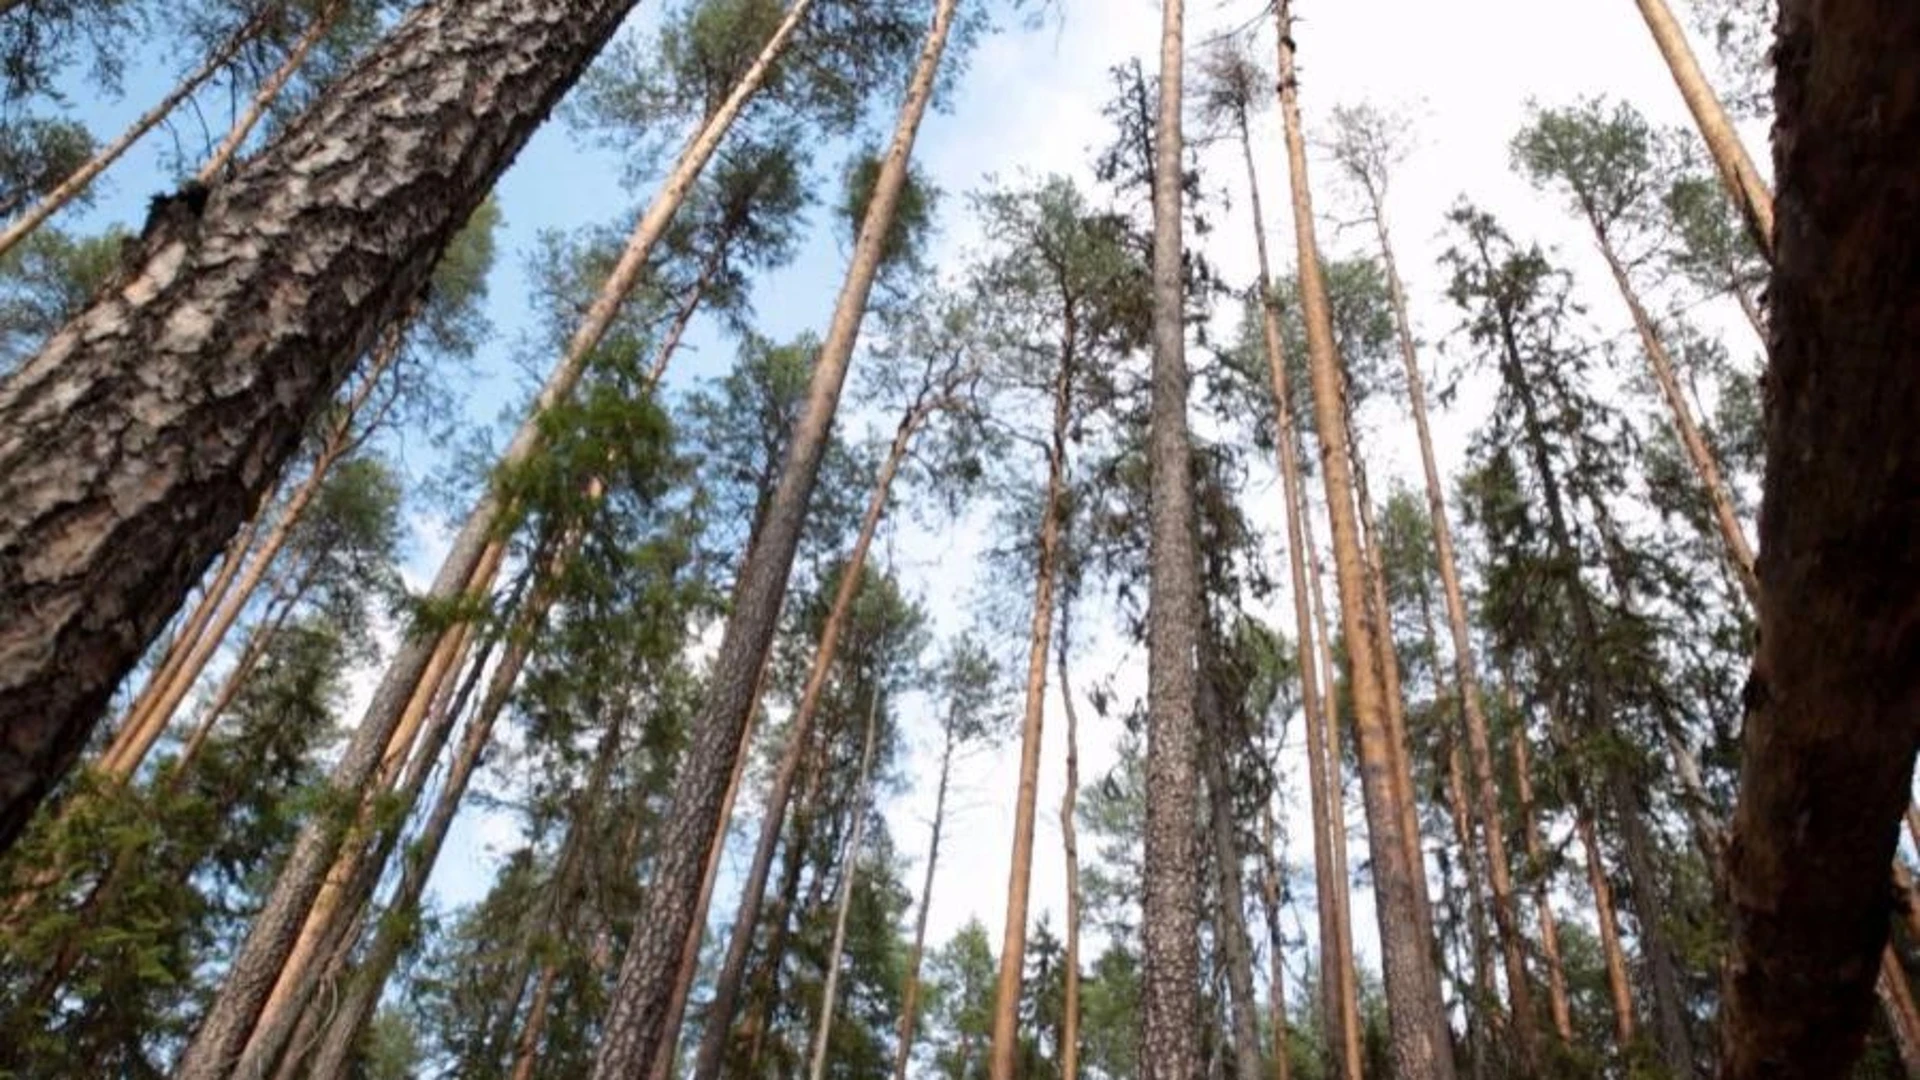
968, 539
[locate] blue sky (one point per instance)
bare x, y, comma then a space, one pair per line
1029, 105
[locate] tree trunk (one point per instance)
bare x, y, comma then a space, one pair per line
1618, 985
1323, 800
70, 189
1896, 1000
1831, 724
1421, 1044
1230, 924
1349, 1003
911, 995
263, 98
1743, 182
1013, 940
1543, 908
1276, 969
1486, 796
635, 1022
1719, 497
1482, 996
829, 995
728, 982
176, 398
1070, 841
1170, 903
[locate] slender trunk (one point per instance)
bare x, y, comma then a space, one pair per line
1230, 909
1013, 941
635, 1022
910, 998
1719, 497
1749, 308
1486, 797
1543, 908
1896, 1000
1322, 798
1483, 997
526, 1049
1618, 985
1421, 1044
1349, 1003
1170, 902
1656, 946
829, 995
263, 98
69, 189
664, 1060
1070, 841
1276, 969
1743, 181
728, 982
224, 304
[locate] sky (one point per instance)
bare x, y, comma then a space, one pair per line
1028, 106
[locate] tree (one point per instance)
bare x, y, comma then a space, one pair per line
1828, 745
1420, 1045
80, 614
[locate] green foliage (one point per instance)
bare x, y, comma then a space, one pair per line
903, 249
45, 281
36, 154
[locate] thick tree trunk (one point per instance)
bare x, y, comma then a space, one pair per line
910, 997
636, 1022
732, 975
1705, 465
1013, 939
1486, 795
1170, 902
178, 395
1323, 799
1349, 985
830, 993
1421, 1044
320, 25
1744, 185
1070, 842
1557, 1001
1833, 702
70, 189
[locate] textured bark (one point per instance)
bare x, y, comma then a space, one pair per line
1543, 908
178, 395
732, 975
1743, 182
1486, 796
1421, 1045
1230, 902
1170, 903
1013, 940
910, 997
71, 188
850, 872
1705, 465
1070, 842
634, 1026
1833, 702
263, 98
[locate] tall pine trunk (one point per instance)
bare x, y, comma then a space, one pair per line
1349, 986
732, 974
636, 1022
1046, 572
1619, 987
1742, 180
175, 398
910, 996
1486, 796
849, 875
1276, 966
1070, 843
1170, 902
1557, 1001
1322, 800
1421, 1045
